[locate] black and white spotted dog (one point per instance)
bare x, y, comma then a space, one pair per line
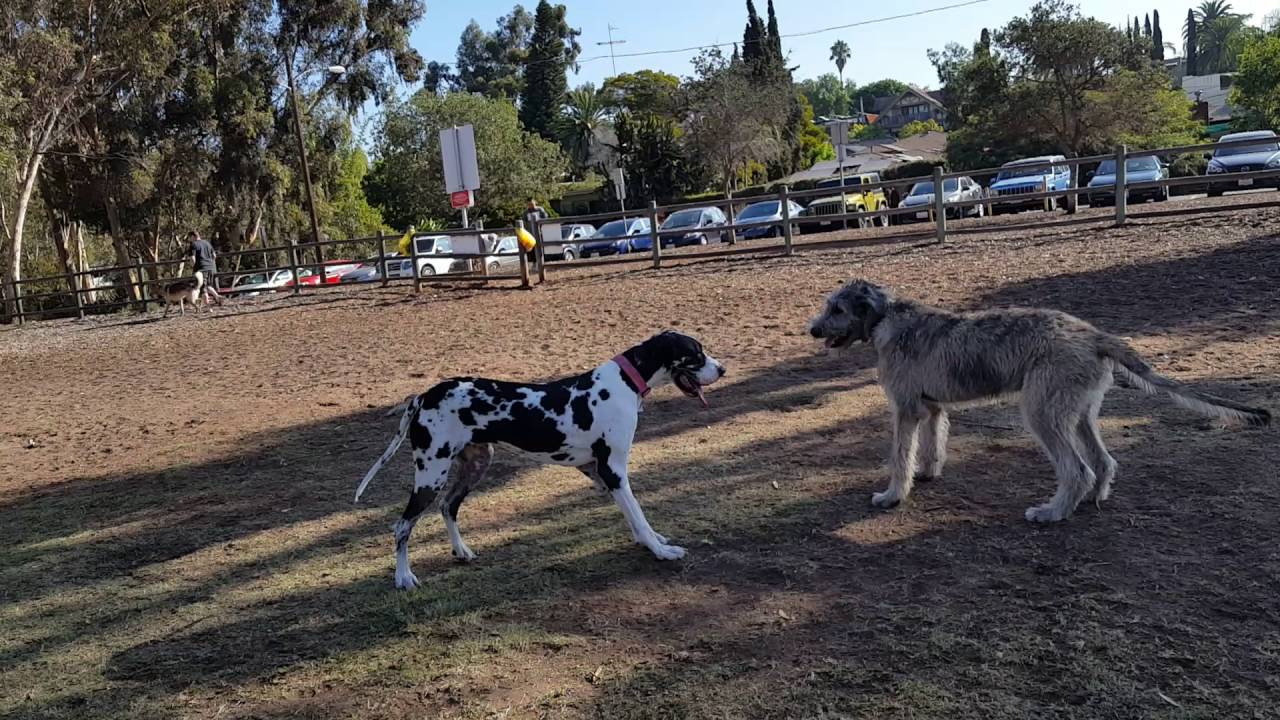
587, 422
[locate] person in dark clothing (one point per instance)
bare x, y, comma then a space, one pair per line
895, 198
532, 214
205, 262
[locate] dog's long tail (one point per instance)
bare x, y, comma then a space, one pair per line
1141, 374
411, 405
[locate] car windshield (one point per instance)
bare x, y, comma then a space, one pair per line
566, 231
1267, 147
253, 279
1015, 171
682, 219
616, 228
926, 188
1142, 164
835, 182
759, 210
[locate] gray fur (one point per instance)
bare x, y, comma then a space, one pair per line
930, 360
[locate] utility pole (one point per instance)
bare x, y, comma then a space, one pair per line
612, 60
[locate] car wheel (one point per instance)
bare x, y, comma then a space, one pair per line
702, 240
978, 211
863, 222
494, 267
883, 220
1164, 195
568, 255
1214, 193
426, 271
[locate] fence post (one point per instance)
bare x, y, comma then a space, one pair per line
413, 264
785, 205
939, 205
524, 261
139, 282
17, 301
655, 241
73, 285
539, 252
733, 234
293, 268
1121, 194
1072, 198
382, 259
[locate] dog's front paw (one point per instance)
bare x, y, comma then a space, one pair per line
886, 499
663, 551
924, 477
407, 581
463, 554
1047, 513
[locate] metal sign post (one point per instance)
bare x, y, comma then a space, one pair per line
461, 172
619, 188
840, 137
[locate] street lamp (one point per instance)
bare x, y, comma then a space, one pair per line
334, 70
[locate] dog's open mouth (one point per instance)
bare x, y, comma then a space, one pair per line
839, 341
690, 386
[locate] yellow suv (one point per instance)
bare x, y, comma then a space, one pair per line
855, 200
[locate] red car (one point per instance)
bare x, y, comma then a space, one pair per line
333, 272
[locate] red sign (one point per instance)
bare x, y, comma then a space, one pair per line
461, 199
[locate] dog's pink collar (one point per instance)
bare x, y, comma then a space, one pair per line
631, 372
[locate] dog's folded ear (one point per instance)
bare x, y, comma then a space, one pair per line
871, 308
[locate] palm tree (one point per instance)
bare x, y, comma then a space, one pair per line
1211, 10
1217, 25
585, 111
840, 56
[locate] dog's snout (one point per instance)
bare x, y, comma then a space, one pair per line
814, 331
720, 369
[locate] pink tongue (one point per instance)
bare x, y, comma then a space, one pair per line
703, 398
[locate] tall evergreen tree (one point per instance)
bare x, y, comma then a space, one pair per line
753, 49
1157, 37
1190, 34
544, 75
1146, 25
775, 38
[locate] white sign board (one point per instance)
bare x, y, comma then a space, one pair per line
839, 131
619, 184
458, 151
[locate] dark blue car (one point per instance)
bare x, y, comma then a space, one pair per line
698, 225
617, 237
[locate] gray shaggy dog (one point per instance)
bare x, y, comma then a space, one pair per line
1061, 366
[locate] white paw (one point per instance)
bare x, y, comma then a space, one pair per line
886, 499
1045, 513
463, 554
407, 581
663, 551
1104, 492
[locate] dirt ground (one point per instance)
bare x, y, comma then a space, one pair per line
177, 538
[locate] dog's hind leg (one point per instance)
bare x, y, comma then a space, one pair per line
1089, 437
428, 481
470, 466
933, 444
1056, 432
902, 465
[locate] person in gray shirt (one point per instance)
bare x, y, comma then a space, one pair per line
204, 260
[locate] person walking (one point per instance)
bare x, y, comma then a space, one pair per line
205, 263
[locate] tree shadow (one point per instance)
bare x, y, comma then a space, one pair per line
1227, 294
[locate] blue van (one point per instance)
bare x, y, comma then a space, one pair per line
1016, 179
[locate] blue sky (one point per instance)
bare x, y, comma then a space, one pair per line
891, 49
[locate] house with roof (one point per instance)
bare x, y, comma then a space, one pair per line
877, 156
915, 104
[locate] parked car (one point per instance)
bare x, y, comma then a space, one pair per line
1102, 184
429, 249
959, 189
505, 257
766, 211
333, 272
855, 200
699, 224
258, 283
616, 237
570, 245
1244, 158
369, 270
1016, 179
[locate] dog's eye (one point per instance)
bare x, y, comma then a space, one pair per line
837, 310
